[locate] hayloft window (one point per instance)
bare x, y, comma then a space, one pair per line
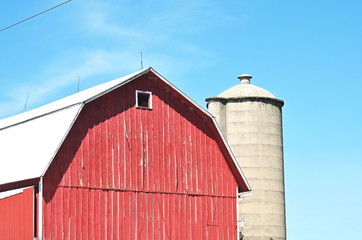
143, 99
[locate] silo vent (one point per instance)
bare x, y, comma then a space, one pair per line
245, 78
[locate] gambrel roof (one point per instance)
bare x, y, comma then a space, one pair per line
29, 141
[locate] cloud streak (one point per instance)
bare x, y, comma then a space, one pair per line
112, 36
62, 74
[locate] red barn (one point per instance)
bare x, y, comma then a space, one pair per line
133, 158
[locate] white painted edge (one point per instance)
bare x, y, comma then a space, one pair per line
237, 214
150, 69
231, 154
213, 120
64, 137
76, 98
181, 93
11, 193
131, 78
40, 209
146, 92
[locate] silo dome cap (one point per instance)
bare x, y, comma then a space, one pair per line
245, 78
245, 89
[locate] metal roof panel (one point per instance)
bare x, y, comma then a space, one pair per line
27, 148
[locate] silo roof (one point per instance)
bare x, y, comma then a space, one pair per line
245, 89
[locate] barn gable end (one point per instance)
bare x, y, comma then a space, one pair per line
142, 166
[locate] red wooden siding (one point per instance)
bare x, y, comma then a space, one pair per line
17, 216
129, 173
110, 214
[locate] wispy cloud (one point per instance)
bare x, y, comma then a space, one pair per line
60, 74
113, 35
97, 20
162, 33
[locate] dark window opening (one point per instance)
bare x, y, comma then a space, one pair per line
143, 99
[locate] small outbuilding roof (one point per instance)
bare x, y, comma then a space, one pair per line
29, 141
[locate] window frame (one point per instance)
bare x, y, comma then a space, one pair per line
141, 92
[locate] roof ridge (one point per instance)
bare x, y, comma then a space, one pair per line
70, 100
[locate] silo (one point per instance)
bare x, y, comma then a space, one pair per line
251, 120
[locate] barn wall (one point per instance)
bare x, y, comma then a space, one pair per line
112, 214
17, 216
137, 171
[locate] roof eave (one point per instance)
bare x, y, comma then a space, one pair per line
235, 162
130, 79
63, 138
210, 116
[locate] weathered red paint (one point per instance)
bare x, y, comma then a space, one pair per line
17, 216
129, 173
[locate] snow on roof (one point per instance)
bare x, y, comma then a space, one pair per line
29, 141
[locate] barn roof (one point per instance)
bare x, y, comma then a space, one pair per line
29, 141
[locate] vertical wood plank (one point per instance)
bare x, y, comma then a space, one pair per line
110, 217
160, 154
163, 173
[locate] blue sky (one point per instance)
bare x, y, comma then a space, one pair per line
308, 53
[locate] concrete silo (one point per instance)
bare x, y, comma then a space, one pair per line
251, 120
